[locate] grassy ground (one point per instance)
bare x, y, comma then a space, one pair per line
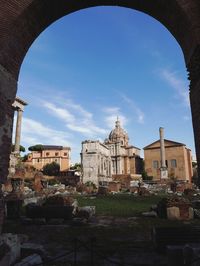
119, 205
114, 239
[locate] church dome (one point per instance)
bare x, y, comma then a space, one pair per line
118, 134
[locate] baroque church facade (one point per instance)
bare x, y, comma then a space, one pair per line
115, 157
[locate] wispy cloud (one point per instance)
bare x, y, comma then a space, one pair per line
139, 113
177, 84
59, 112
34, 132
111, 116
76, 118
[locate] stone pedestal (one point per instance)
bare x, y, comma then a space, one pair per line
38, 182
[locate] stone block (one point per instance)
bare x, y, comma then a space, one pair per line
13, 242
191, 213
173, 213
32, 248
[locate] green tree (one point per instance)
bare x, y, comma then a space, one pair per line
25, 158
51, 169
21, 148
37, 147
76, 166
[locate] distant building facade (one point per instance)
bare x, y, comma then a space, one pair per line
178, 160
49, 154
125, 158
101, 161
96, 162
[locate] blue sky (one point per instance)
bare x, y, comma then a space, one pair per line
99, 63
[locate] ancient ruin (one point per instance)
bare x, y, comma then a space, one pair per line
101, 162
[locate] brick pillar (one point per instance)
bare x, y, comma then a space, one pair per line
8, 86
194, 77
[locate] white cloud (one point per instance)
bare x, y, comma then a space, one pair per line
79, 108
59, 112
111, 116
177, 84
77, 119
139, 113
34, 132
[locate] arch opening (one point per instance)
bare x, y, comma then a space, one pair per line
21, 28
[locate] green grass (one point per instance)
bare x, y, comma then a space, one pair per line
120, 205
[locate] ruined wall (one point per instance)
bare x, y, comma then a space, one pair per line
7, 96
194, 76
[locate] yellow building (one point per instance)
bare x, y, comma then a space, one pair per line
178, 160
49, 154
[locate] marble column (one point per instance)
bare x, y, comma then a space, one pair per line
18, 130
163, 168
162, 147
18, 105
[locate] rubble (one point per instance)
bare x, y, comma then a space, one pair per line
31, 248
175, 208
150, 214
10, 244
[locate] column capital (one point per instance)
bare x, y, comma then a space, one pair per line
19, 104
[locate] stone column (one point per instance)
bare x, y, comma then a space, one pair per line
162, 148
18, 105
194, 77
18, 130
163, 168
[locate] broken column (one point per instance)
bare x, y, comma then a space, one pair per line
19, 105
163, 168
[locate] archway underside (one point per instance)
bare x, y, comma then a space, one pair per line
22, 21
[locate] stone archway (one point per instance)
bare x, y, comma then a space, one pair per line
21, 21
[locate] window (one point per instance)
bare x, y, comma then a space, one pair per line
155, 164
173, 163
65, 154
47, 153
166, 163
56, 154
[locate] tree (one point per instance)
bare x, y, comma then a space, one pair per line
25, 158
37, 147
21, 148
51, 169
76, 166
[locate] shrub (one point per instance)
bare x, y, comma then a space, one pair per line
51, 169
